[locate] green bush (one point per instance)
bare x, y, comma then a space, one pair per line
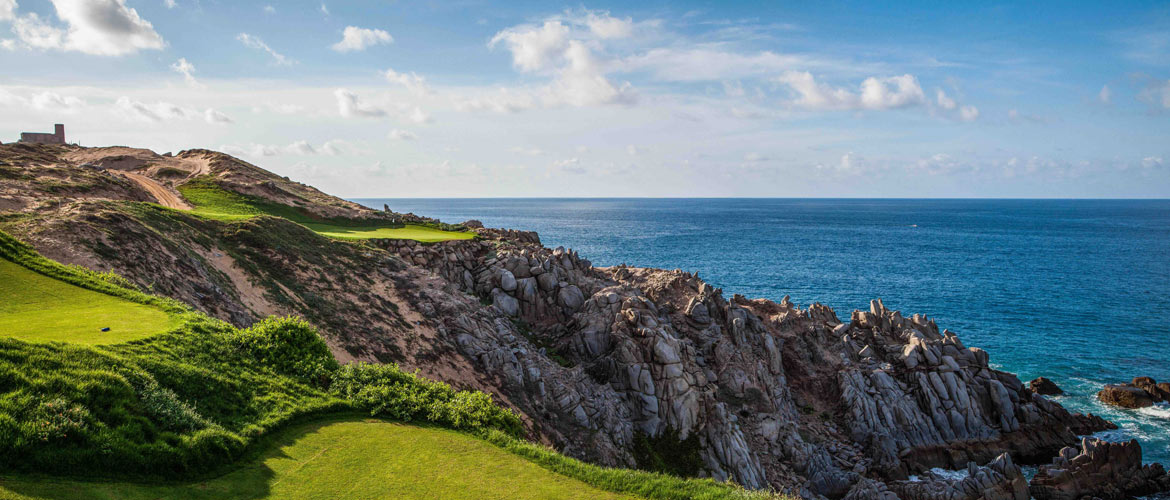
290, 346
388, 392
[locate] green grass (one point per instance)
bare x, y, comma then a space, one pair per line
214, 202
408, 232
37, 308
350, 459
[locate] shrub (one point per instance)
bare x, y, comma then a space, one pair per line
290, 346
388, 392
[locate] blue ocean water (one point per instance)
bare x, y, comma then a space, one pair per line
1074, 290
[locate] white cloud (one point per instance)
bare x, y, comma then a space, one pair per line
968, 113
215, 117
301, 148
37, 34
534, 48
97, 27
417, 115
8, 44
255, 42
185, 68
1157, 94
268, 9
875, 93
324, 9
52, 101
605, 26
296, 148
753, 157
578, 78
170, 4
401, 135
1152, 161
412, 81
632, 150
355, 38
945, 102
1105, 95
7, 10
570, 165
891, 92
348, 105
157, 112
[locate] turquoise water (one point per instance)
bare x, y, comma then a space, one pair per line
1075, 290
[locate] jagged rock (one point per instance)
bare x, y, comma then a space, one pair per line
1099, 469
1044, 386
1000, 479
471, 223
1090, 424
1125, 396
505, 303
1138, 393
1160, 392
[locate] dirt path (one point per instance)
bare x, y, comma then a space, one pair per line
164, 196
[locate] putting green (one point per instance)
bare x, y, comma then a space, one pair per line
37, 308
410, 232
213, 202
368, 459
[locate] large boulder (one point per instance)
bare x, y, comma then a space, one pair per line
1044, 386
1125, 396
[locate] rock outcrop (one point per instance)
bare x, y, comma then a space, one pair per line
1044, 387
1100, 470
1139, 393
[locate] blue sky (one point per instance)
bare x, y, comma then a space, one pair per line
1036, 99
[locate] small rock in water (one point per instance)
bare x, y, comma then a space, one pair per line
1125, 396
1042, 385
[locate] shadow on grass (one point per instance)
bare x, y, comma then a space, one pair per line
251, 480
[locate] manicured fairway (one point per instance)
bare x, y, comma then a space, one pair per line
410, 232
215, 203
351, 459
37, 308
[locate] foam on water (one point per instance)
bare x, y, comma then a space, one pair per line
941, 473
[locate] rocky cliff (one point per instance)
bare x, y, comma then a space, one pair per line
607, 364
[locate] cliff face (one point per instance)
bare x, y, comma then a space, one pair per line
600, 361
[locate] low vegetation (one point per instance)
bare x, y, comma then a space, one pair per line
214, 202
204, 398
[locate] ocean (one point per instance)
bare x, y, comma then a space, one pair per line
1073, 290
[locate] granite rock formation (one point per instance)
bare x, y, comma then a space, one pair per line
1044, 387
1139, 393
1101, 470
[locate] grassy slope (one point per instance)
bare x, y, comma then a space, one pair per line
350, 459
195, 400
215, 203
37, 308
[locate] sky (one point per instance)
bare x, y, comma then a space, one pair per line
611, 99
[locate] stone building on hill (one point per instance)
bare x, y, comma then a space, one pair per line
57, 137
